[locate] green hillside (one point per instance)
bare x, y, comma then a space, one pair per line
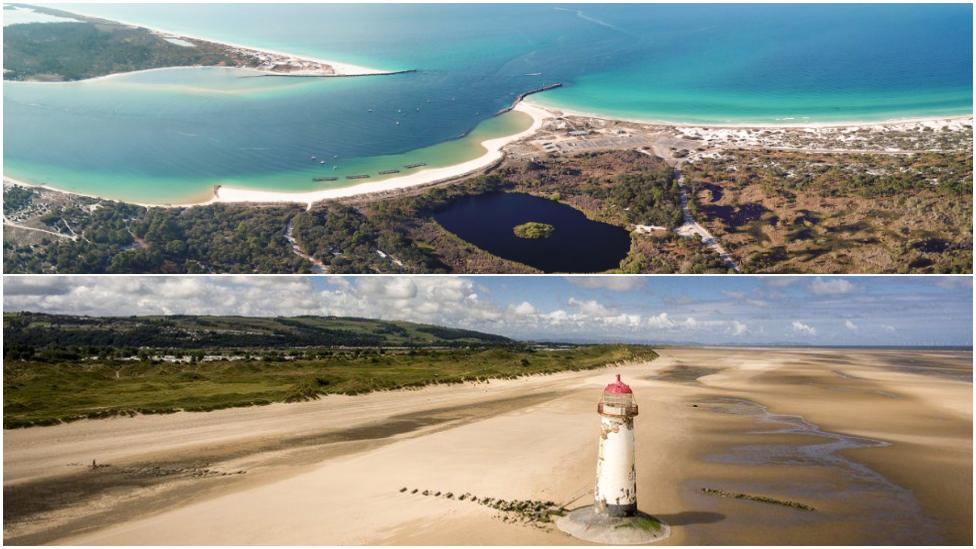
31, 333
61, 368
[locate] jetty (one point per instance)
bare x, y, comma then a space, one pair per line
523, 95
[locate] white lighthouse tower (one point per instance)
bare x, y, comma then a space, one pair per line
614, 518
616, 472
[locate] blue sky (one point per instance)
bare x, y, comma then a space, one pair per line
743, 310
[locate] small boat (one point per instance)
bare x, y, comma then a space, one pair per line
387, 172
397, 122
534, 74
313, 157
370, 110
335, 156
321, 161
417, 165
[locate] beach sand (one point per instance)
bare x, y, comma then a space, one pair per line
493, 153
878, 442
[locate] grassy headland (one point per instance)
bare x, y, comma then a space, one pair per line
61, 368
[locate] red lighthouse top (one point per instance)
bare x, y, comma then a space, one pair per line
618, 387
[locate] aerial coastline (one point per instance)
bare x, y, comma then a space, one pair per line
494, 151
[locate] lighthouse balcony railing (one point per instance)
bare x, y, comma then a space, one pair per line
617, 409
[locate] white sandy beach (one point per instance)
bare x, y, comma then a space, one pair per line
493, 153
935, 122
701, 423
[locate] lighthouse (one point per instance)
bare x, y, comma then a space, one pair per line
614, 519
616, 472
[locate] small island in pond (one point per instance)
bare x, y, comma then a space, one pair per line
533, 230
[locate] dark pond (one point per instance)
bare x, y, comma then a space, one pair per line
577, 245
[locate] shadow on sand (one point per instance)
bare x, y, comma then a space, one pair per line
687, 518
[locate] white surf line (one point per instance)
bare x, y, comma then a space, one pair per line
690, 226
493, 153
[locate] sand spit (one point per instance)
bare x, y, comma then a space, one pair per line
934, 122
335, 68
493, 153
767, 424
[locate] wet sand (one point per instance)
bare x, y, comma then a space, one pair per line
877, 443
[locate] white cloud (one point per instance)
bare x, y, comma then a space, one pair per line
608, 282
831, 286
739, 328
590, 307
389, 287
952, 282
661, 321
803, 329
850, 325
780, 281
523, 309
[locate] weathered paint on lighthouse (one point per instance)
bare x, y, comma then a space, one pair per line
614, 518
616, 474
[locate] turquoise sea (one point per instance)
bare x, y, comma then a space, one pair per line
169, 136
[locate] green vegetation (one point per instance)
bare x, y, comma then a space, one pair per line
31, 335
785, 211
364, 235
59, 368
533, 230
95, 47
115, 237
16, 198
617, 187
348, 240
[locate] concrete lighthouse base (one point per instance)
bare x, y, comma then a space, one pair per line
587, 524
